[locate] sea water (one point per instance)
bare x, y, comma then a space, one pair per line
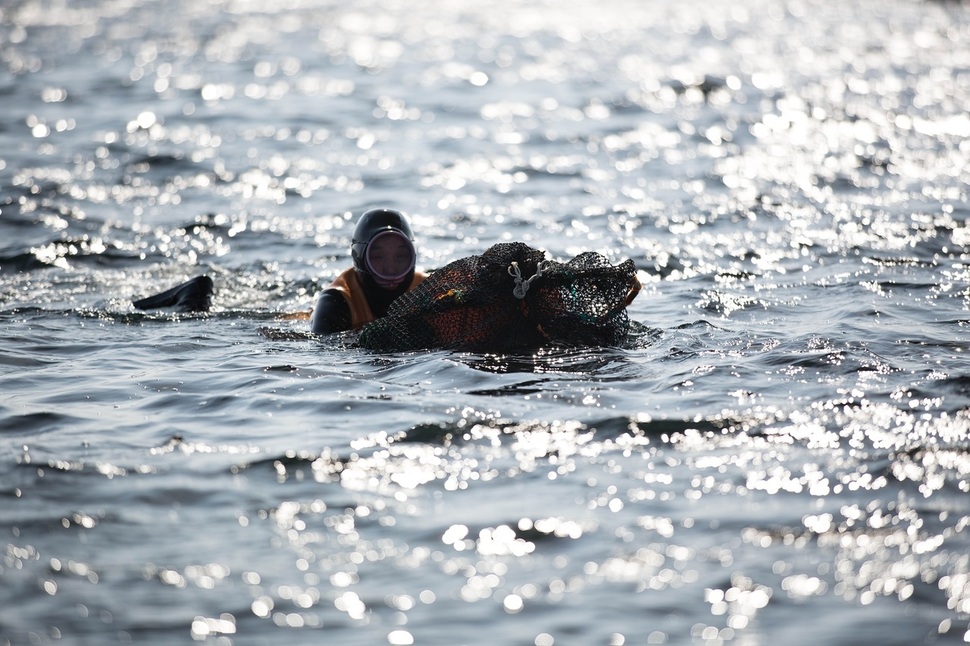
779, 455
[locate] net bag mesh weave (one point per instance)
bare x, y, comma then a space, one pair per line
510, 298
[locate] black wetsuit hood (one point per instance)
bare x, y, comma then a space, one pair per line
372, 223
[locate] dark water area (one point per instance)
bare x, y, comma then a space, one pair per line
778, 454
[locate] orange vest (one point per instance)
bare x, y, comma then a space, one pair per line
348, 284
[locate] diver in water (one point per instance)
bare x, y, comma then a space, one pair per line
508, 298
383, 268
383, 253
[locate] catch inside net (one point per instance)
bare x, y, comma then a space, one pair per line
510, 298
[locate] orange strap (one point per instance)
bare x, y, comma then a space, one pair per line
634, 290
348, 284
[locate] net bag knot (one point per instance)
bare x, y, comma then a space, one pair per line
522, 285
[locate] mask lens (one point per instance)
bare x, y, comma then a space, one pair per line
389, 256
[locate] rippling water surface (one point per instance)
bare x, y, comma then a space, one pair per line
779, 455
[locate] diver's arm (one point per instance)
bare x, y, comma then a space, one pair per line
331, 314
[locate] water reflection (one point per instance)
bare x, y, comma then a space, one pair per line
788, 438
878, 546
584, 361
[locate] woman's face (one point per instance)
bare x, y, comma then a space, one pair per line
390, 258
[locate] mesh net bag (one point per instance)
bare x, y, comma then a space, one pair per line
510, 298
